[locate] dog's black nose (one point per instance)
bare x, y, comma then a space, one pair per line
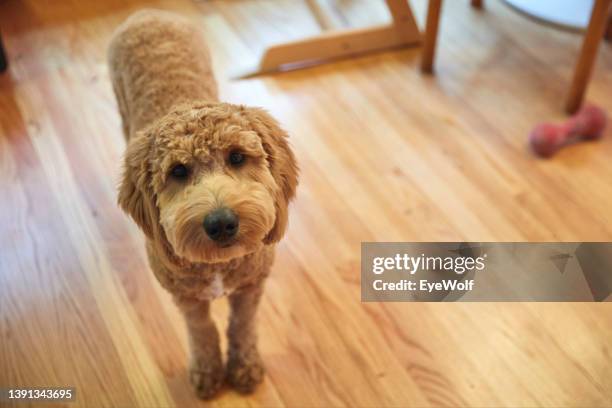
221, 224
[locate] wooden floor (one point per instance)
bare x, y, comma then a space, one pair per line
386, 154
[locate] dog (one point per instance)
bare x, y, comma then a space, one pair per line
209, 184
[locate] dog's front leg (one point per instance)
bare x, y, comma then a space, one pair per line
206, 368
244, 366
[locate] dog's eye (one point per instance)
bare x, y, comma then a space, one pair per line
179, 171
236, 158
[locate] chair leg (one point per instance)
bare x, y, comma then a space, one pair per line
608, 33
476, 3
3, 59
590, 44
431, 34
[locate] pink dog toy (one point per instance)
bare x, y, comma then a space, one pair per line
588, 124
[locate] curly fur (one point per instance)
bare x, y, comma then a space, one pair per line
167, 97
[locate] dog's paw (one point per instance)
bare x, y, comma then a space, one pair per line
206, 377
244, 370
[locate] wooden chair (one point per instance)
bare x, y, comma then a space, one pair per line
584, 66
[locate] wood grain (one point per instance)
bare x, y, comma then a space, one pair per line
386, 154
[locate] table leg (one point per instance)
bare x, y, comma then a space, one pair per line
431, 35
401, 32
590, 44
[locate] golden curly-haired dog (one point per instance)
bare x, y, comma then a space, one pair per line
209, 184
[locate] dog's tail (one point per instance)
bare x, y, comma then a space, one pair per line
158, 60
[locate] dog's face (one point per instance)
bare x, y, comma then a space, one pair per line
211, 180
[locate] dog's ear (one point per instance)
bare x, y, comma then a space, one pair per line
136, 196
282, 164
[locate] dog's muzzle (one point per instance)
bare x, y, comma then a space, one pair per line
221, 225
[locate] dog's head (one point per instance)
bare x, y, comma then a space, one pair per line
212, 180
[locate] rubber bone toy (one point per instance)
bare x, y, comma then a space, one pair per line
588, 124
